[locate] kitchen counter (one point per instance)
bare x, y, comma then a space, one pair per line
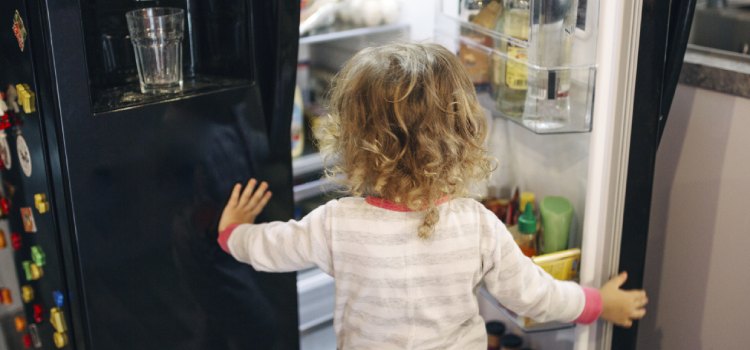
716, 70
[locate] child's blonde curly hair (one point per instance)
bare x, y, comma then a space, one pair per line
404, 124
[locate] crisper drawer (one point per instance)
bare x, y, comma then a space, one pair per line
316, 298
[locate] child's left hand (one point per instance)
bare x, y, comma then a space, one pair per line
243, 208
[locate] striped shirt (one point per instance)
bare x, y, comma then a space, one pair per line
395, 290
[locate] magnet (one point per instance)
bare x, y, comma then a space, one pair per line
5, 151
5, 297
4, 206
3, 240
20, 323
38, 313
3, 105
19, 30
24, 156
35, 339
38, 256
61, 339
57, 318
26, 98
32, 271
15, 241
59, 298
11, 99
26, 340
40, 202
29, 225
5, 121
27, 293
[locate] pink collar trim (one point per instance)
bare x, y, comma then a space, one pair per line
393, 206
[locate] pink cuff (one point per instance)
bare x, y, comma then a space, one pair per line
224, 237
593, 307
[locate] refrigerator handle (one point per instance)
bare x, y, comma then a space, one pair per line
680, 21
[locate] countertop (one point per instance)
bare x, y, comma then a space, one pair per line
716, 70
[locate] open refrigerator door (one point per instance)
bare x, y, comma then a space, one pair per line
535, 65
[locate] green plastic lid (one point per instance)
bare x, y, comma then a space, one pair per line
527, 220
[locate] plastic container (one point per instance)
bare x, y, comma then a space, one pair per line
557, 214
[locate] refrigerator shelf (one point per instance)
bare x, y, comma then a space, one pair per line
542, 99
337, 33
128, 96
307, 164
312, 189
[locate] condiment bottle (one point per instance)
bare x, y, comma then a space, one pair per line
495, 331
527, 231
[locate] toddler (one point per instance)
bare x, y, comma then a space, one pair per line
407, 250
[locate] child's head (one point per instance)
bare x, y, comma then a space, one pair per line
404, 124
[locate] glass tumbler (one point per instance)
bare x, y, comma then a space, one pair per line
156, 34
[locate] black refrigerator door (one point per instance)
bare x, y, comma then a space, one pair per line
665, 27
142, 188
32, 278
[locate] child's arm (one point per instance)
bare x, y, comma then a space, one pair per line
525, 288
275, 246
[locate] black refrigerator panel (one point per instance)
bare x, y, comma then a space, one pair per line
35, 312
136, 183
665, 27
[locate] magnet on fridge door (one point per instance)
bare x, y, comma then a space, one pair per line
26, 98
5, 122
3, 240
4, 206
38, 313
19, 30
32, 271
5, 151
27, 293
5, 297
40, 202
20, 323
24, 156
26, 339
61, 339
38, 256
27, 216
59, 298
11, 99
15, 241
57, 318
35, 339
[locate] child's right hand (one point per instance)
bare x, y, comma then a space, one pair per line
619, 306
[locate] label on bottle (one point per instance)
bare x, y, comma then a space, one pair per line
515, 72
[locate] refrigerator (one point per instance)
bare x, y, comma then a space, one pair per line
622, 70
112, 197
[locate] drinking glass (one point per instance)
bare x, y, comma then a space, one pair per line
156, 34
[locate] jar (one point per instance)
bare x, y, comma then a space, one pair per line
495, 331
511, 342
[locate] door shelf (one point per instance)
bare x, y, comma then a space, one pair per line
307, 164
312, 189
337, 33
542, 99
